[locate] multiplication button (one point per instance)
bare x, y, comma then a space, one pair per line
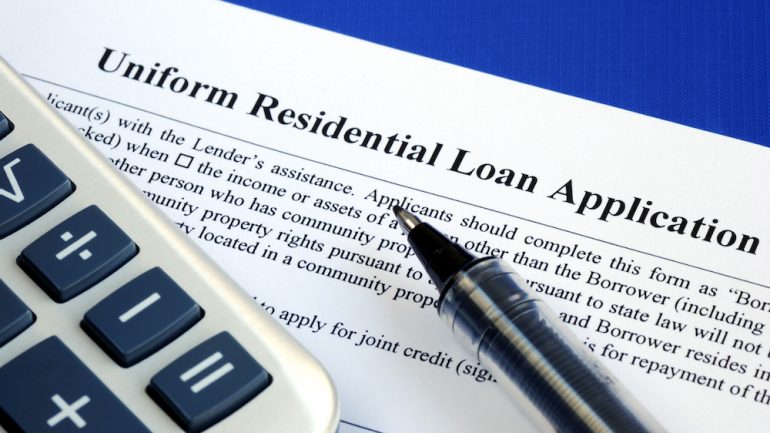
208, 383
47, 389
77, 254
141, 317
30, 185
14, 315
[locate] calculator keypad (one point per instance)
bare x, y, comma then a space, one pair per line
14, 315
30, 185
60, 393
48, 389
76, 254
141, 317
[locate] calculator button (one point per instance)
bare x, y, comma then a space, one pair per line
30, 185
14, 315
5, 126
141, 317
47, 389
76, 254
208, 383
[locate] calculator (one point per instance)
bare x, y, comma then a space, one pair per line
111, 320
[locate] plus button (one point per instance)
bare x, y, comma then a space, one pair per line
68, 411
65, 395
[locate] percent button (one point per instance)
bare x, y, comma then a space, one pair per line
78, 253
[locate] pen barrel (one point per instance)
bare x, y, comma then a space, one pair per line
495, 313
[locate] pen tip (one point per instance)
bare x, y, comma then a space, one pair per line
406, 219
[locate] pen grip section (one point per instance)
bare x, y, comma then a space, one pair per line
532, 354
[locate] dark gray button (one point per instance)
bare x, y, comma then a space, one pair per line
47, 389
14, 315
30, 185
5, 126
76, 254
208, 383
141, 317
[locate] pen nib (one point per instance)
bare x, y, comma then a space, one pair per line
441, 257
407, 220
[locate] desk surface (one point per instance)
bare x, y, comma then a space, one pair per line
703, 65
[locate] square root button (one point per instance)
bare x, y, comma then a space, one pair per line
47, 389
208, 383
30, 185
76, 254
141, 317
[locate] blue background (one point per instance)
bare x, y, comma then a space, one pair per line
700, 63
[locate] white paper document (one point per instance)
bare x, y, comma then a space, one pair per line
280, 149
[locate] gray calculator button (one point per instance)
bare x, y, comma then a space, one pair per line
5, 126
47, 389
208, 383
30, 185
141, 317
76, 254
14, 315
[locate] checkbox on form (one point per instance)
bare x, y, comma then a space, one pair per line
183, 160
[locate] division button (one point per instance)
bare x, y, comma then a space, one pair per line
14, 315
76, 254
47, 389
141, 317
30, 185
208, 383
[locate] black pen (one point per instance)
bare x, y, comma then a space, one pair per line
496, 315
